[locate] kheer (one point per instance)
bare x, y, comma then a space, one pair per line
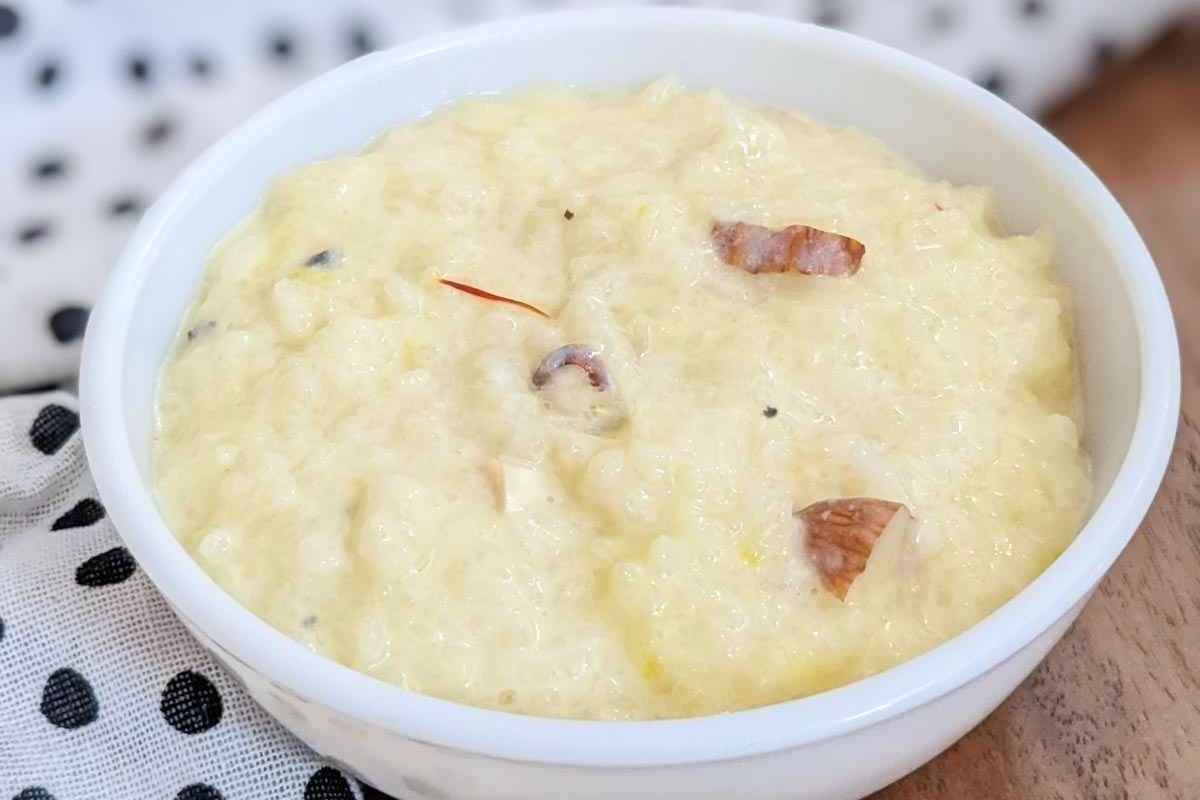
562, 404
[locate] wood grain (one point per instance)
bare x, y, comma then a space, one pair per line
1114, 712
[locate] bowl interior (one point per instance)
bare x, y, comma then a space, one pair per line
953, 129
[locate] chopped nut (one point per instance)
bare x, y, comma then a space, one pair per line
578, 355
326, 259
598, 412
806, 250
200, 329
524, 487
839, 535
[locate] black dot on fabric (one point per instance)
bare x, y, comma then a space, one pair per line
124, 205
359, 40
10, 21
371, 793
994, 81
770, 411
200, 65
829, 14
941, 18
190, 703
68, 700
34, 232
1, 629
68, 323
281, 46
52, 427
198, 791
1104, 52
157, 131
111, 566
85, 512
138, 69
37, 388
328, 784
1031, 9
47, 74
49, 168
33, 793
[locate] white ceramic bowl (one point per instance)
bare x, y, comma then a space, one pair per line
840, 744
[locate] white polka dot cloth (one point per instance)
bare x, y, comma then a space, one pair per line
102, 692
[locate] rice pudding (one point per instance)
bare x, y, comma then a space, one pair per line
623, 406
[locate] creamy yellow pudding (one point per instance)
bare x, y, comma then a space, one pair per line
623, 406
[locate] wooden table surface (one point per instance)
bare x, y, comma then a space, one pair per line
1114, 712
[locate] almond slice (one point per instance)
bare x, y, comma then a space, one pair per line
839, 535
809, 251
522, 487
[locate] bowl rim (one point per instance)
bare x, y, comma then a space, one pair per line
781, 726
